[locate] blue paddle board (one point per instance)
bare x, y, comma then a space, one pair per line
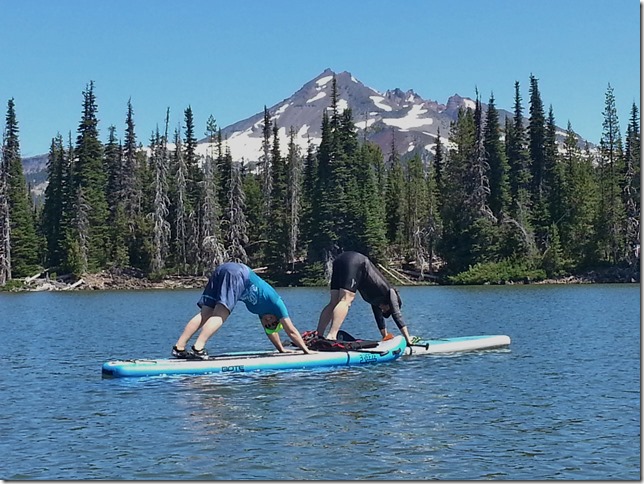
243, 362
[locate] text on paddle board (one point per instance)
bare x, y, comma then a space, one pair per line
232, 368
368, 358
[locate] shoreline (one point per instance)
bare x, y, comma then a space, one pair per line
130, 279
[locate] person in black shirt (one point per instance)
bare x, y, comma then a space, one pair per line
353, 271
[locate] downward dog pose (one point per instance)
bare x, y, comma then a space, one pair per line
229, 283
353, 271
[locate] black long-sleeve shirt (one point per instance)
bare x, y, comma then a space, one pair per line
375, 290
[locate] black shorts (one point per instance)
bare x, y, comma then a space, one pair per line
347, 271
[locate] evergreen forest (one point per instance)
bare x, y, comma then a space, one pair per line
495, 204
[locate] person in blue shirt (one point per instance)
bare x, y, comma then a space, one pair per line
229, 283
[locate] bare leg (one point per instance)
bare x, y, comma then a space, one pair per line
340, 312
327, 312
191, 328
201, 320
212, 323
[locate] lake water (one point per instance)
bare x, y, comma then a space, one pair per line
563, 402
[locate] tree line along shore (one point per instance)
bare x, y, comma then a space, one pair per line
130, 279
493, 203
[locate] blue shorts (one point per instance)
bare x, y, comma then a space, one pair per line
225, 286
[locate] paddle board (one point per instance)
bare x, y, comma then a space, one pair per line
241, 362
453, 345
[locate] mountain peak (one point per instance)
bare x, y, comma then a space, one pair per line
412, 120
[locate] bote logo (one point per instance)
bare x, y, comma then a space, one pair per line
232, 368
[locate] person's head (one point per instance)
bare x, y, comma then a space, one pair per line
271, 323
387, 309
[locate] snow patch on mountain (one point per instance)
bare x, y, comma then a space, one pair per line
413, 119
303, 130
282, 109
318, 96
378, 101
323, 81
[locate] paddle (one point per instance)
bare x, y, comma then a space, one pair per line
426, 345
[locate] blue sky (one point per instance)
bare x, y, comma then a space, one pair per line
230, 58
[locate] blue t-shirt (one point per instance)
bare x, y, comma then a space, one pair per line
232, 282
260, 297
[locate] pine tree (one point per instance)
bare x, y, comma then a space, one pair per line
498, 179
631, 191
278, 242
214, 250
237, 236
294, 166
416, 213
553, 258
130, 170
115, 195
347, 196
140, 250
456, 244
371, 230
265, 163
89, 186
325, 238
309, 183
224, 169
180, 233
517, 154
23, 239
477, 169
69, 201
468, 231
519, 240
194, 193
194, 176
537, 142
113, 153
79, 235
52, 225
611, 239
433, 224
254, 213
137, 196
395, 198
5, 225
538, 164
553, 179
482, 231
162, 228
579, 203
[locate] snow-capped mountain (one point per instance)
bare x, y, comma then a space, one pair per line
413, 121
